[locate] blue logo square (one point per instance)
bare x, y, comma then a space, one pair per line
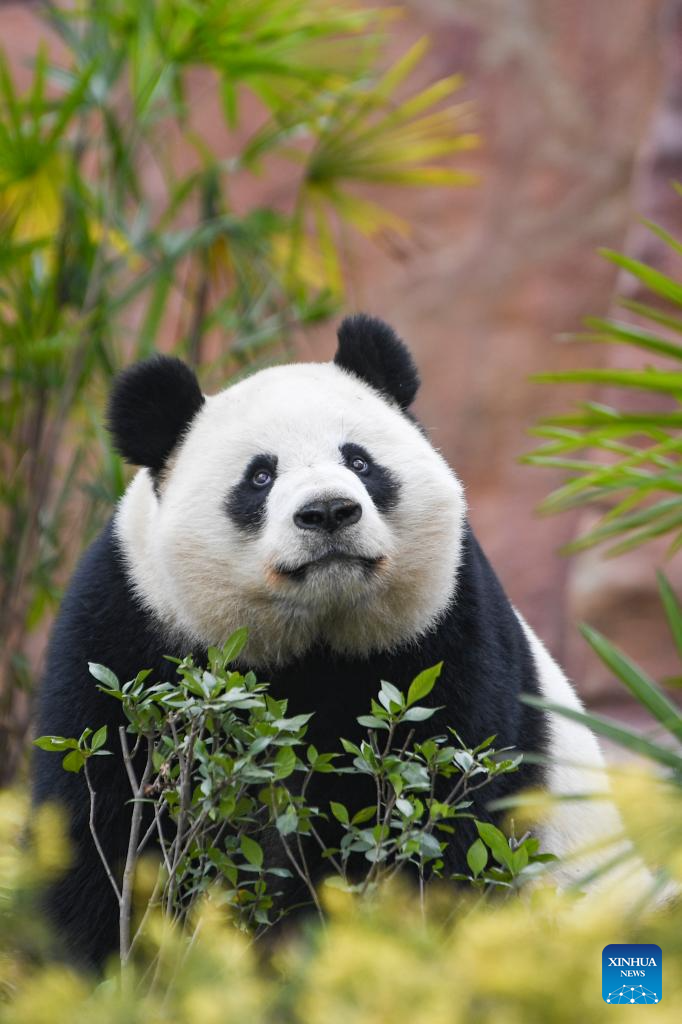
632, 973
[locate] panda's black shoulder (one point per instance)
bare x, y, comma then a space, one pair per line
489, 662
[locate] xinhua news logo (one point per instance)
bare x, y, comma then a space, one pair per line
632, 974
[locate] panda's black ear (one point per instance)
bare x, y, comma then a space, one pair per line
372, 350
151, 405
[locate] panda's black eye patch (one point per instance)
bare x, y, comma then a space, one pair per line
381, 485
245, 504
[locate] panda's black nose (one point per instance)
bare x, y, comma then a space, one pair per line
328, 515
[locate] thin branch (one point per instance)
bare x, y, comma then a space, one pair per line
331, 858
305, 877
154, 825
134, 838
152, 902
127, 761
162, 838
95, 837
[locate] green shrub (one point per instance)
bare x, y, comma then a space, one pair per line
216, 755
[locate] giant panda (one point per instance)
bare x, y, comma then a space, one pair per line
306, 503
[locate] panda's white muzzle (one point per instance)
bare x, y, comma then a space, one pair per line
330, 540
321, 521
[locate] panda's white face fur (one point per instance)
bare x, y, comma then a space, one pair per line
302, 504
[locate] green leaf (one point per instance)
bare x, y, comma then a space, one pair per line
74, 761
287, 823
429, 846
672, 609
418, 714
104, 675
292, 724
58, 743
664, 235
285, 762
519, 859
324, 763
485, 743
372, 722
235, 645
397, 782
99, 739
156, 308
339, 812
633, 741
624, 523
612, 331
654, 280
366, 814
252, 850
497, 843
477, 857
657, 316
644, 448
646, 380
464, 760
393, 694
639, 684
422, 684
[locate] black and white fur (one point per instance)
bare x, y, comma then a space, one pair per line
305, 503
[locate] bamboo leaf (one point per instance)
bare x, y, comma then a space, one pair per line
403, 67
647, 380
638, 683
622, 524
673, 610
146, 339
660, 528
611, 331
664, 235
656, 281
620, 734
656, 316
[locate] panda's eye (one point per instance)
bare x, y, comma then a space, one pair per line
359, 465
261, 478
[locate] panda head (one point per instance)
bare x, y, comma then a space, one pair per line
302, 502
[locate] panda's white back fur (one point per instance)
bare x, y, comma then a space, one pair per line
584, 833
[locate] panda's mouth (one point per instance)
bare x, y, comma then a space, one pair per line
299, 572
